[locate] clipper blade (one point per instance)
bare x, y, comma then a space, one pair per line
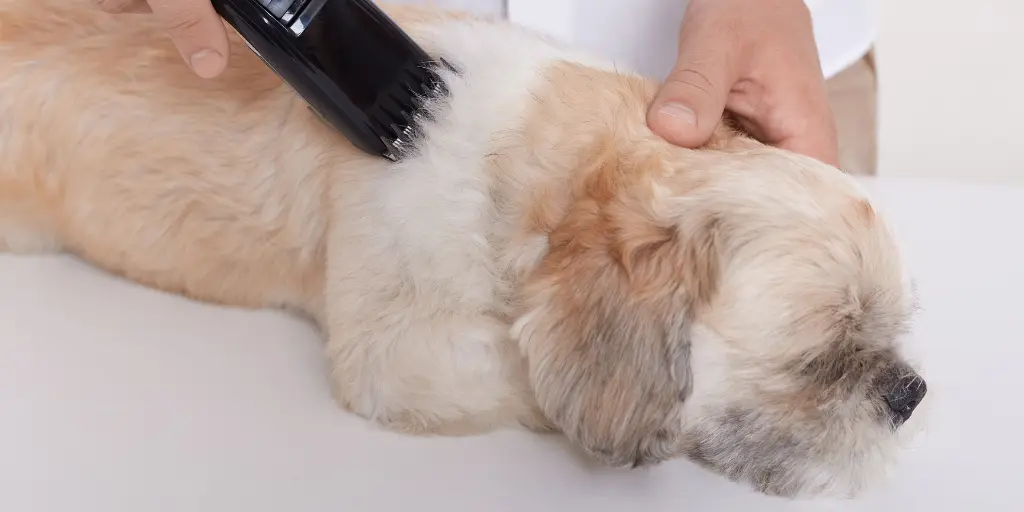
400, 113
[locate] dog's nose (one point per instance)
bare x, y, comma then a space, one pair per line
904, 395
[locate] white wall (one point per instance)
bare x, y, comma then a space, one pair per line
952, 89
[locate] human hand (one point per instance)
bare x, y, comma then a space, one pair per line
194, 26
758, 60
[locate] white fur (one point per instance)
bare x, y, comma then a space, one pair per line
430, 219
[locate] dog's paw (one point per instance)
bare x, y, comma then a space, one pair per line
419, 422
539, 424
19, 237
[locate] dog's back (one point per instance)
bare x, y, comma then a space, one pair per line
110, 147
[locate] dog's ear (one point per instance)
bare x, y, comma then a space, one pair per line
607, 325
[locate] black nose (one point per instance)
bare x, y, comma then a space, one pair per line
904, 395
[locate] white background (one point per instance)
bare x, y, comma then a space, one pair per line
952, 89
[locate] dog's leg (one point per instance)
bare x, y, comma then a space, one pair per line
447, 375
26, 218
407, 357
20, 234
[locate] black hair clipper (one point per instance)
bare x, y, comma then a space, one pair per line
351, 63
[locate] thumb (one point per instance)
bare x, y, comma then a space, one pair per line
691, 102
197, 32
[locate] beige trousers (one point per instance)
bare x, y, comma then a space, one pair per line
853, 95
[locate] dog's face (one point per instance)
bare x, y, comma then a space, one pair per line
742, 308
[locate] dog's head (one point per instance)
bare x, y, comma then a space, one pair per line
739, 306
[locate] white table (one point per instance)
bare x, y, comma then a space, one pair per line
114, 397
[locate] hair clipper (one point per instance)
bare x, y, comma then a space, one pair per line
351, 63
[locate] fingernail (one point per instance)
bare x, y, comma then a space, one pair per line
677, 116
206, 63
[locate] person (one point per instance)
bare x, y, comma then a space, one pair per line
760, 60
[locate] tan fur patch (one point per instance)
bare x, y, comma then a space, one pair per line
619, 266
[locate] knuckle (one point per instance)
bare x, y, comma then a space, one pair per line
184, 26
113, 5
691, 77
695, 80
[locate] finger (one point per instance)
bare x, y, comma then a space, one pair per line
803, 123
690, 103
197, 32
820, 146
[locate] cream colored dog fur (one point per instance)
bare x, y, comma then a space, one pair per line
541, 260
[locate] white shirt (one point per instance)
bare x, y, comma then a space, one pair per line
643, 34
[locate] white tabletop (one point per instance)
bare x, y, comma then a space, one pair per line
114, 397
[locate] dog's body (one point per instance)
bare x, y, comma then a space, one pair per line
542, 259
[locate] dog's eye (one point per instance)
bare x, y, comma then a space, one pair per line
841, 365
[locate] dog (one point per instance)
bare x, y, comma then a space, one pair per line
541, 259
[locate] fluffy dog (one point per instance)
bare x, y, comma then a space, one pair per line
541, 259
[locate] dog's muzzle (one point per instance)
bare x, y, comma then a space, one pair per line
902, 390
